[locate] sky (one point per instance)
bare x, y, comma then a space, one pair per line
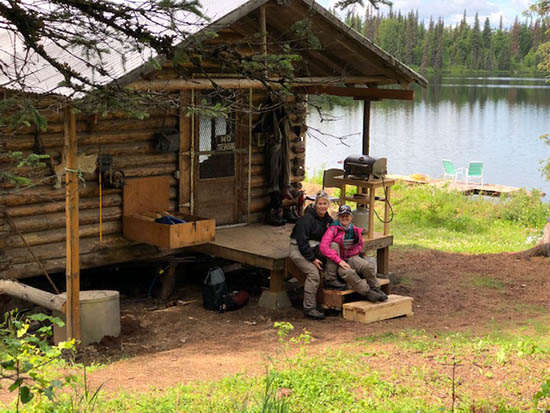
453, 10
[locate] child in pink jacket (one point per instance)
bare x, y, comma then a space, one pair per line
342, 244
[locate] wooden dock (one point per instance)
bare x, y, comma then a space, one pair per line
460, 186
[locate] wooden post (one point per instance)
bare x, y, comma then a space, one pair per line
277, 281
366, 127
263, 32
72, 228
383, 260
168, 281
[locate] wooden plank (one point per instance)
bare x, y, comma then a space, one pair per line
73, 255
146, 194
360, 92
365, 312
241, 256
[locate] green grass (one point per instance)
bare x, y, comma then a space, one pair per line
480, 281
364, 376
436, 218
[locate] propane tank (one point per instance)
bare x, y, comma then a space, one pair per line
361, 217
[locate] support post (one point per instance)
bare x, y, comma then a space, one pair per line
276, 297
263, 33
72, 228
383, 260
168, 281
366, 127
263, 29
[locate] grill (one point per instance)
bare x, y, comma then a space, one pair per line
365, 167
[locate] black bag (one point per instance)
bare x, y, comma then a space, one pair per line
234, 301
214, 289
167, 140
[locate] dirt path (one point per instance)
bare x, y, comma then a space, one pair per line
456, 292
451, 292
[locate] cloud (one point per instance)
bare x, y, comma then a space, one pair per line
453, 10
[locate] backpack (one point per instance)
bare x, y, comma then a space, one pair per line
213, 289
234, 301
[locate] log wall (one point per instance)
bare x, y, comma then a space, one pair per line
38, 211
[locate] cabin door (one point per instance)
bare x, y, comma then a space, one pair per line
216, 178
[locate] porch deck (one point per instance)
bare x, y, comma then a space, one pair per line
267, 247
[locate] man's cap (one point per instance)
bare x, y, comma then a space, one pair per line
344, 209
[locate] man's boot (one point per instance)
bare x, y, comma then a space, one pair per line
374, 297
272, 214
363, 288
272, 218
314, 314
378, 290
289, 215
335, 284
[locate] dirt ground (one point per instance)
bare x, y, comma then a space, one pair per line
162, 344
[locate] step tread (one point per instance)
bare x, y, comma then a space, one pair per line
366, 312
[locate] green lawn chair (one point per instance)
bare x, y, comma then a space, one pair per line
450, 171
475, 171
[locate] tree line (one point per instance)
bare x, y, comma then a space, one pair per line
462, 46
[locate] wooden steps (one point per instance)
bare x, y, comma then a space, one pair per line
365, 312
334, 299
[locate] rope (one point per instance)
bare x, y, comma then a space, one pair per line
79, 174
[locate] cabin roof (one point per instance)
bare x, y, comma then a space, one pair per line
343, 52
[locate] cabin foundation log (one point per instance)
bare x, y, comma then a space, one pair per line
33, 295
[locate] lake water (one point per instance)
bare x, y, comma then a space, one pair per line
495, 120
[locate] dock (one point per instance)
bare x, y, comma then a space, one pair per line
459, 186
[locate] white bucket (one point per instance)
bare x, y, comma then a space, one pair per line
99, 317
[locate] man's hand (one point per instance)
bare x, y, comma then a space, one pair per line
344, 265
318, 264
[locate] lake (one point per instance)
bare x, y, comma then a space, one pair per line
495, 120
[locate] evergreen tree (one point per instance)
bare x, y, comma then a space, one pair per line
426, 53
515, 47
487, 32
437, 50
476, 44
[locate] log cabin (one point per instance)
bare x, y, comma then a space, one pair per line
224, 184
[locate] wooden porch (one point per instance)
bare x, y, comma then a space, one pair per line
267, 247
